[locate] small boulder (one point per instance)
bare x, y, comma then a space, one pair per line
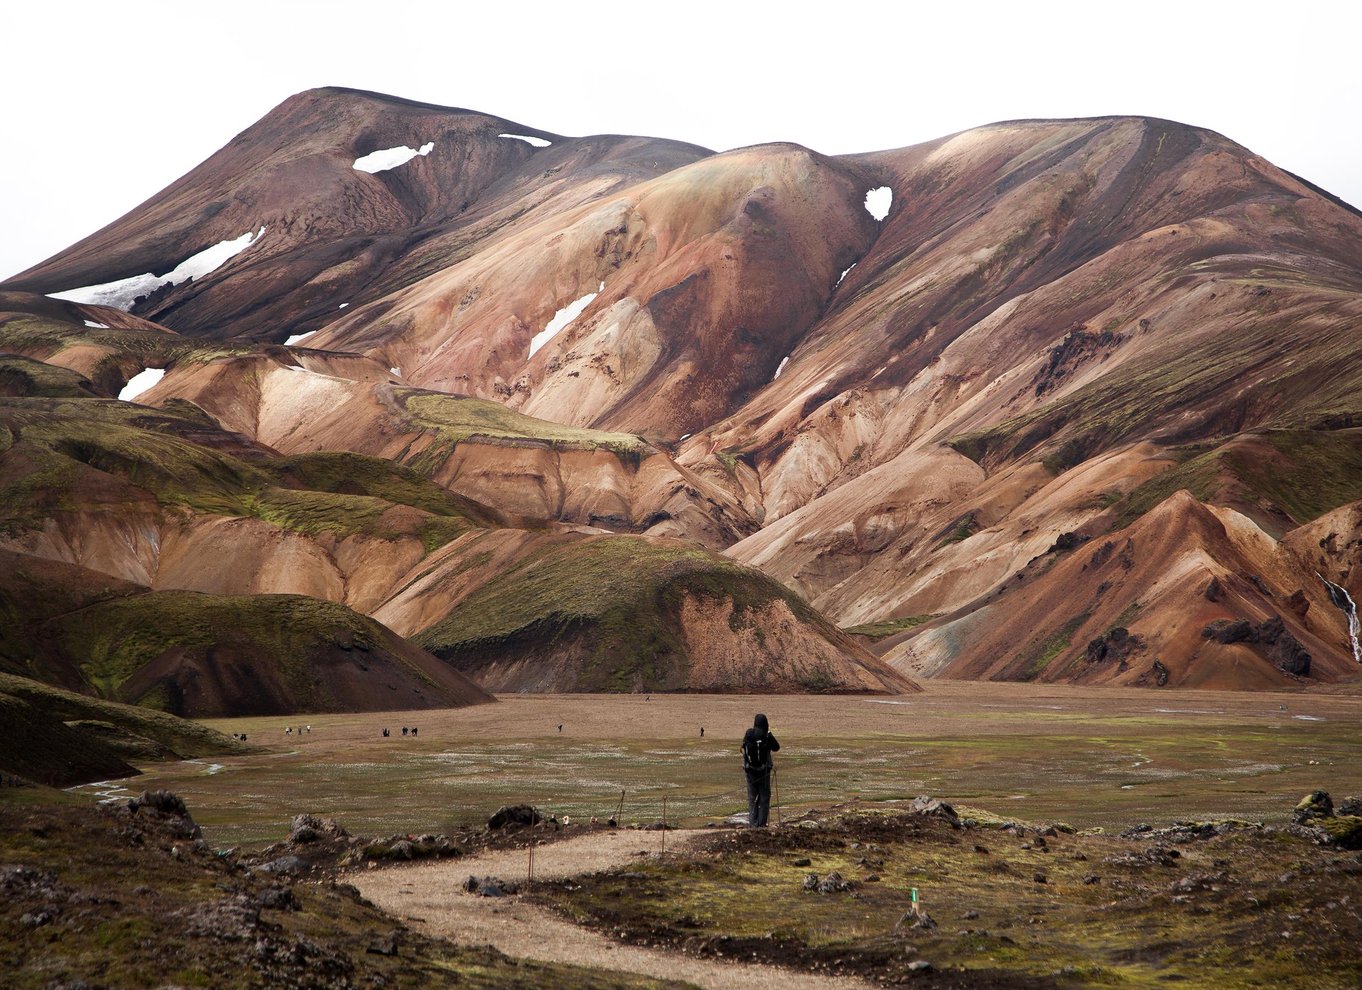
514, 815
934, 807
1315, 805
1345, 831
834, 883
284, 864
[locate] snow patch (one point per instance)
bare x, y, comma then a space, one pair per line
140, 382
877, 202
96, 326
342, 305
386, 158
121, 294
298, 337
844, 272
783, 362
562, 318
396, 371
534, 141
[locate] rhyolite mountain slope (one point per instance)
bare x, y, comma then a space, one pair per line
153, 557
1064, 336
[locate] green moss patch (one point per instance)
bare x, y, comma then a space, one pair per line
1301, 475
882, 630
459, 418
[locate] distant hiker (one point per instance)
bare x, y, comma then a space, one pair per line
404, 730
386, 733
288, 731
309, 730
413, 730
757, 746
702, 732
560, 727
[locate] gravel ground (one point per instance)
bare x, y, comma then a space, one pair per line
430, 898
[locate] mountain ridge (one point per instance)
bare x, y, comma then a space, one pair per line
1056, 327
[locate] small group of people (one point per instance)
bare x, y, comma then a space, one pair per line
405, 731
288, 730
239, 736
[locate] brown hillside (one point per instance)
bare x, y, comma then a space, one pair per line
1058, 326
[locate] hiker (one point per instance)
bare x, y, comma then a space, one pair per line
702, 732
560, 728
404, 730
413, 730
757, 746
385, 733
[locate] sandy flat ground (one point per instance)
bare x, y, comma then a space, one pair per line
430, 897
1087, 756
944, 708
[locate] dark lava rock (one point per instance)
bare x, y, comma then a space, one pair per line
1349, 806
834, 883
1316, 804
278, 898
1214, 591
309, 828
935, 807
1160, 673
284, 864
1290, 657
1067, 541
168, 808
515, 815
1229, 631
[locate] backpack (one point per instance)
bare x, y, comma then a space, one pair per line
755, 755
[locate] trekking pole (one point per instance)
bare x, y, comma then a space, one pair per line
620, 810
775, 780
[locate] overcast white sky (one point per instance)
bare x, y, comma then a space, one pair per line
106, 103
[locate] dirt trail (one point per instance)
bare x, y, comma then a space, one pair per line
430, 897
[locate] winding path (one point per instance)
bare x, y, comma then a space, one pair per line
430, 898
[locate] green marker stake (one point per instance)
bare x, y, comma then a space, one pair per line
916, 910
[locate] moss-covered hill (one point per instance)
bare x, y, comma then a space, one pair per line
201, 655
68, 454
619, 613
61, 738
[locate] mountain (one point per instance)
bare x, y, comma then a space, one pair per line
1120, 338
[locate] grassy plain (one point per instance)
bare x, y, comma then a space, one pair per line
1088, 757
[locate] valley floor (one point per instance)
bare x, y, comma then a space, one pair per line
1090, 757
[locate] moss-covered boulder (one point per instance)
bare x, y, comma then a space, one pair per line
1314, 806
